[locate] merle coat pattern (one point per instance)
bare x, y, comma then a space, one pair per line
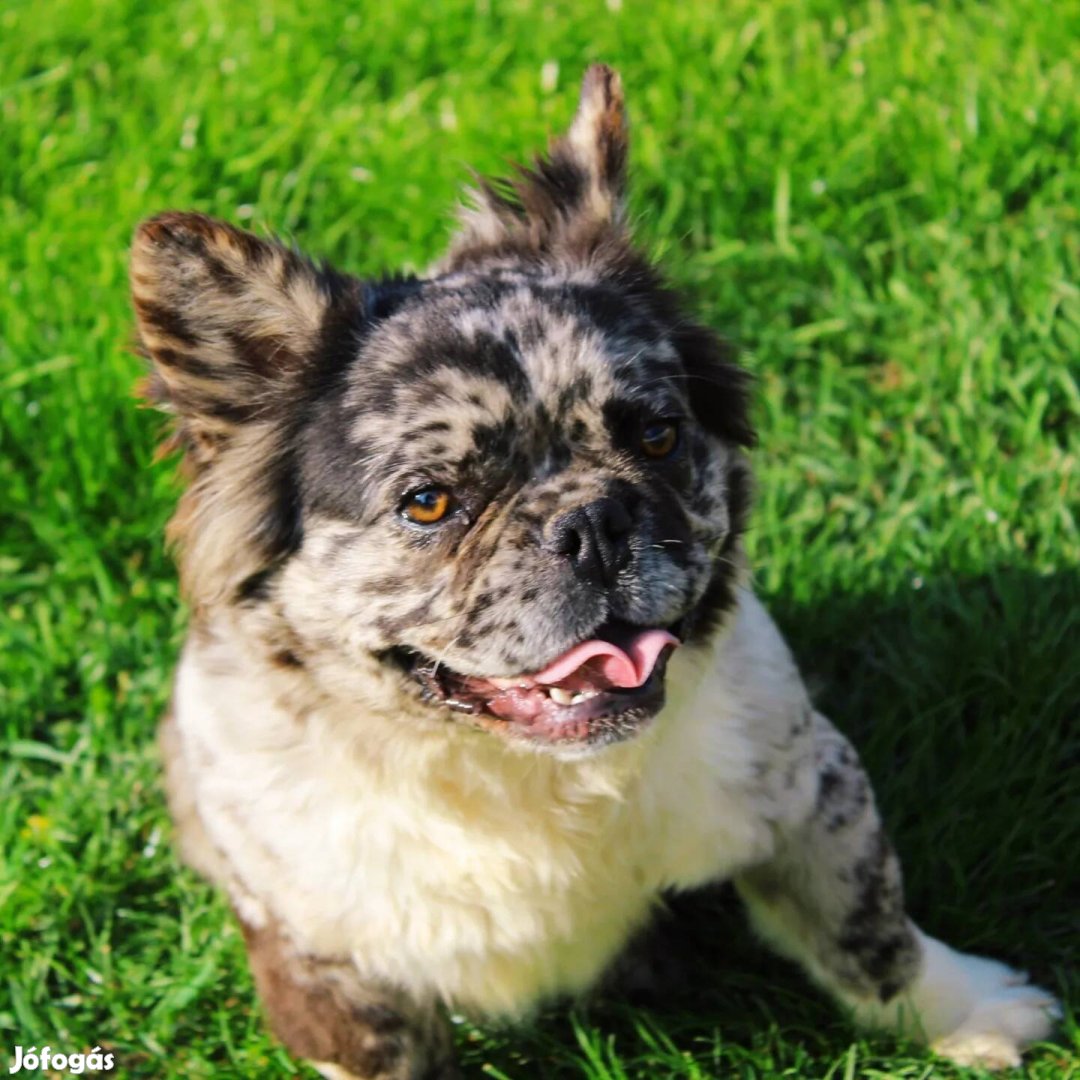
405, 498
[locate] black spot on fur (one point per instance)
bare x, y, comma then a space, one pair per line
829, 781
256, 588
384, 298
615, 314
707, 615
280, 529
573, 393
484, 356
875, 933
261, 355
482, 603
224, 278
189, 364
286, 658
843, 795
166, 321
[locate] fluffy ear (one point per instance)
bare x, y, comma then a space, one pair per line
568, 200
236, 328
230, 322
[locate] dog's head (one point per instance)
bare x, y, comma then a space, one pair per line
506, 490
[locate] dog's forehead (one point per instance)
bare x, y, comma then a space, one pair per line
541, 351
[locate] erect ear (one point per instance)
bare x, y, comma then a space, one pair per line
567, 200
230, 322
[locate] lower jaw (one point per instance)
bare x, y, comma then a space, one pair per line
621, 716
608, 717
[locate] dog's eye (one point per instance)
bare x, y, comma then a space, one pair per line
659, 440
427, 506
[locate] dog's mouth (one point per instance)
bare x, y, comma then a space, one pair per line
601, 690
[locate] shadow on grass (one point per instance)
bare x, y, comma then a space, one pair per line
962, 695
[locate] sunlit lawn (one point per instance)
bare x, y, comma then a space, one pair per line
878, 201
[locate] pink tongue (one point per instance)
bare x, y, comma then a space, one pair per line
630, 665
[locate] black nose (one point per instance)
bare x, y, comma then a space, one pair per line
594, 538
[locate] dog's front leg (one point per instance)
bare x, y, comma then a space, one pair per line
831, 898
348, 1028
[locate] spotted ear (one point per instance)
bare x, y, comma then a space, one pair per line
230, 322
568, 200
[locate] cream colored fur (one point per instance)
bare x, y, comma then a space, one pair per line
458, 866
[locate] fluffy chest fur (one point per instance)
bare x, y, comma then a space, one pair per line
489, 877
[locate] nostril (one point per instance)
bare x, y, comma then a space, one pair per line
616, 521
571, 543
594, 538
567, 534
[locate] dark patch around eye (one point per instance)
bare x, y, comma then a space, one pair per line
333, 479
624, 419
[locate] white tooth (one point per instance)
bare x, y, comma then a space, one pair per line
560, 696
578, 698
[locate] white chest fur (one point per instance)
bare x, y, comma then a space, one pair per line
447, 863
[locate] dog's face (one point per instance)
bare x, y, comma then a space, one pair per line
505, 491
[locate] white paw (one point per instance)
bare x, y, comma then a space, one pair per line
976, 1011
1007, 1015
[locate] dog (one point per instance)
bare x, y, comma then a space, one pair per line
474, 672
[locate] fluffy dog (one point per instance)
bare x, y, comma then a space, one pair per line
474, 671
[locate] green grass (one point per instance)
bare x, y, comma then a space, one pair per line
879, 201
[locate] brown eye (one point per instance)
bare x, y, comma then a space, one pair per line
660, 439
427, 506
